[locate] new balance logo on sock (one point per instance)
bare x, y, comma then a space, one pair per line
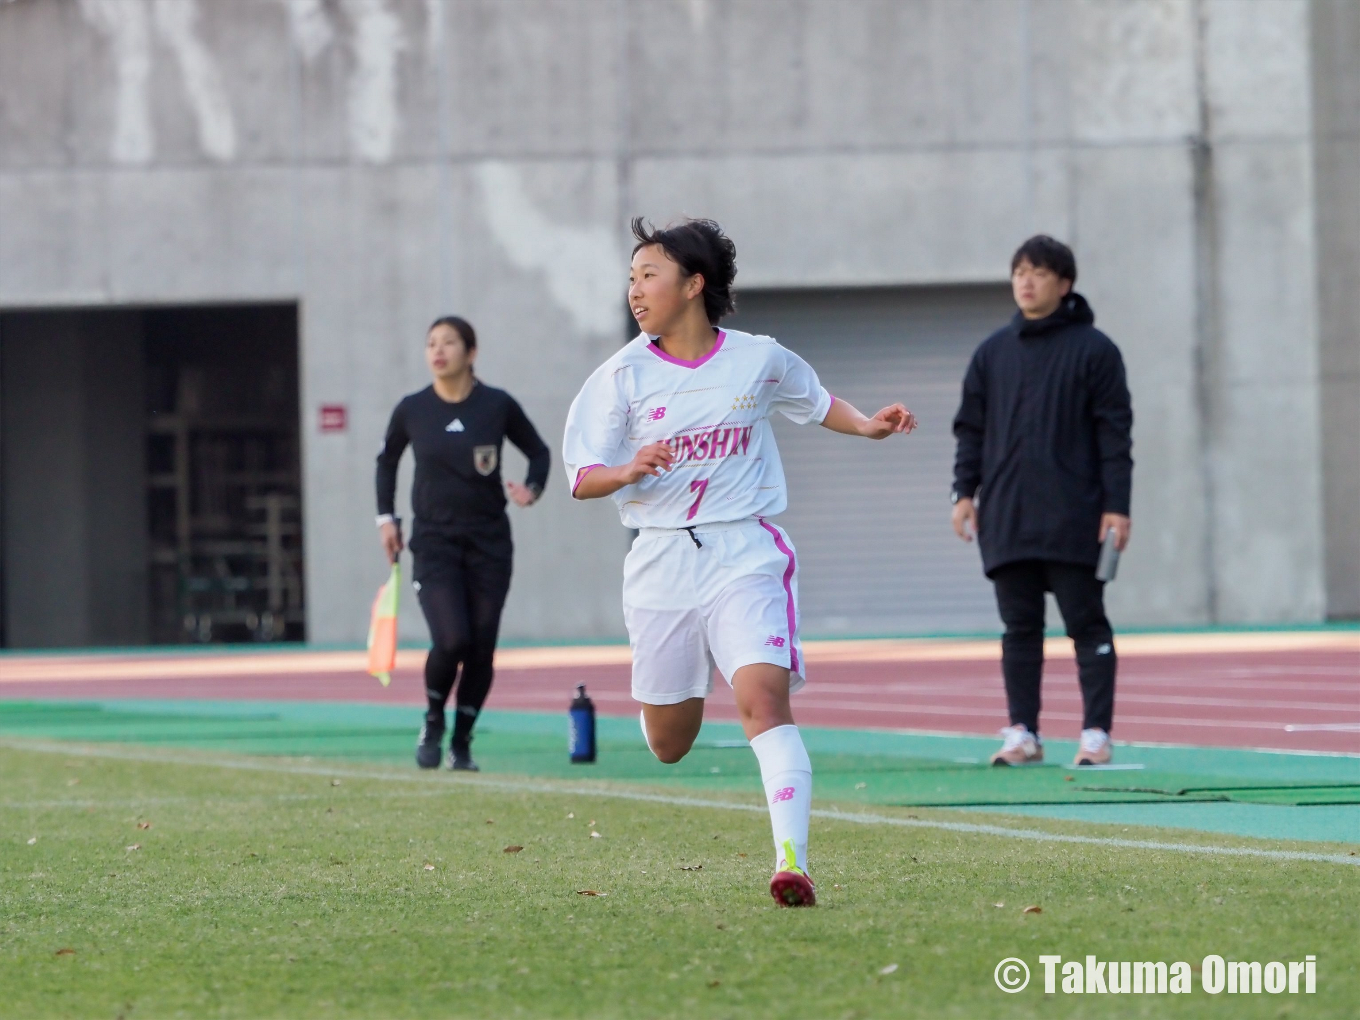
454, 426
776, 640
784, 794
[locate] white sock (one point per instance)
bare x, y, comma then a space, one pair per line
786, 771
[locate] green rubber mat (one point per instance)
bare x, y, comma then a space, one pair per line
870, 767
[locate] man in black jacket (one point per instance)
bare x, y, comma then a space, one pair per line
1042, 474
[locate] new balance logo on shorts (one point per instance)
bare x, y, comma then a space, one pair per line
776, 640
784, 794
656, 414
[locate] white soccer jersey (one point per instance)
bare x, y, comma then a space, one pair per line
714, 413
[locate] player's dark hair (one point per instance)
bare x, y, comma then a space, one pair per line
698, 246
1044, 252
460, 326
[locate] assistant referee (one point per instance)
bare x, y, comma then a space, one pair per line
460, 537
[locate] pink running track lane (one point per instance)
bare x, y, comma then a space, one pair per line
1304, 698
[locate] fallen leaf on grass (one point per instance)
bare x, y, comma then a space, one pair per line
429, 867
1032, 910
835, 887
714, 984
998, 905
33, 840
512, 849
888, 969
1069, 779
135, 846
66, 951
143, 825
571, 814
595, 835
741, 855
590, 892
335, 782
491, 821
691, 867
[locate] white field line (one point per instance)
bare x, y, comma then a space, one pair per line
858, 817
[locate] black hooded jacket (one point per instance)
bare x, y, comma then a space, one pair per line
1044, 438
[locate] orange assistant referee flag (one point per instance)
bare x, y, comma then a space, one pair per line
382, 629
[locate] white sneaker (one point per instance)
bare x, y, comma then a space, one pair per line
1094, 749
1020, 747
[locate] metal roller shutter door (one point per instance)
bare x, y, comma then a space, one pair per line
870, 521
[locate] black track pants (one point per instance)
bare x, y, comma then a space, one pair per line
462, 582
1020, 589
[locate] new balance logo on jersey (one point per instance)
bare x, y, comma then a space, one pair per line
784, 794
454, 426
713, 445
775, 640
656, 414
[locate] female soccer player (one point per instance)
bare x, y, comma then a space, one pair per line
675, 427
461, 535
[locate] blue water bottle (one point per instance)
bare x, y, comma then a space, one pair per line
581, 733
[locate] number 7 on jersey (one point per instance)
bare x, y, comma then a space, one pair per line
698, 485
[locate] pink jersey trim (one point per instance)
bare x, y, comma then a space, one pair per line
783, 547
580, 476
717, 346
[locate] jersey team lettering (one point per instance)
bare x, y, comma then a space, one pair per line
713, 414
712, 445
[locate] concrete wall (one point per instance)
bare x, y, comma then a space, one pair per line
384, 161
1336, 155
75, 539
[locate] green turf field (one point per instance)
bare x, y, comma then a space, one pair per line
1214, 789
272, 887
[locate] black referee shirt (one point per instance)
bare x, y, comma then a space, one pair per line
458, 455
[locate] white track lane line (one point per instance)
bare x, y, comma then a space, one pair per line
1072, 696
858, 817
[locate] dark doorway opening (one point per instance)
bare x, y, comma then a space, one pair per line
150, 476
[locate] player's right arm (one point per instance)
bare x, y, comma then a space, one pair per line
389, 457
969, 428
593, 442
600, 480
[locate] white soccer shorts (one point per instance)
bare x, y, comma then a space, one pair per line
729, 602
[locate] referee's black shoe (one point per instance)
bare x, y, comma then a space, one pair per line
427, 748
460, 758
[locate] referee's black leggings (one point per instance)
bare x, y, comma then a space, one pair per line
1020, 589
462, 582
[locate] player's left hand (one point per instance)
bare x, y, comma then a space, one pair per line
892, 419
521, 495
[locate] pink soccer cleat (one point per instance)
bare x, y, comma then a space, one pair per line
790, 885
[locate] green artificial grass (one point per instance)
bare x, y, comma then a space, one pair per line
332, 889
849, 765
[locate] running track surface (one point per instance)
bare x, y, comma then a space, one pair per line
1297, 691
